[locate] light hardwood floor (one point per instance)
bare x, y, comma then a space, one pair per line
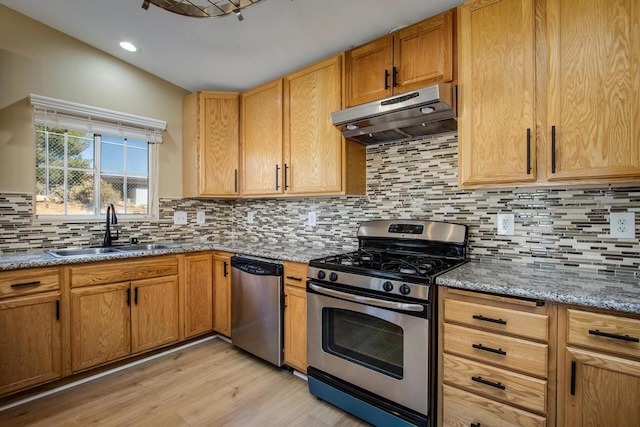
209, 384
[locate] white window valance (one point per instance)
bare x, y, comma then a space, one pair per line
54, 112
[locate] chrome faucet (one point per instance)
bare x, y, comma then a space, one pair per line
112, 219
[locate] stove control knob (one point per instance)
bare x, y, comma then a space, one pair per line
321, 274
404, 289
333, 277
387, 286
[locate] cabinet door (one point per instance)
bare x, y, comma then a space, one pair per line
219, 144
100, 324
369, 71
604, 392
154, 313
198, 301
295, 328
423, 53
29, 341
222, 294
496, 113
313, 146
262, 140
594, 88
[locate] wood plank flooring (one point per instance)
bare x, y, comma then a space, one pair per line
208, 384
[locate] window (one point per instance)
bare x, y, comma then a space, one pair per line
74, 167
88, 157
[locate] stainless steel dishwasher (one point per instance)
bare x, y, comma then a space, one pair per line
257, 307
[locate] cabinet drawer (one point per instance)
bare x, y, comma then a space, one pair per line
508, 387
295, 274
122, 271
509, 352
24, 282
465, 409
498, 319
604, 332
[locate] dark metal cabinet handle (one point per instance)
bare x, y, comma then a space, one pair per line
386, 79
573, 378
297, 279
475, 425
135, 295
489, 319
286, 169
235, 180
129, 296
553, 149
22, 285
57, 309
528, 151
487, 382
395, 77
614, 336
224, 269
489, 349
277, 173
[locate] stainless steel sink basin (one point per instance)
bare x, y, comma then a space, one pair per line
78, 252
145, 247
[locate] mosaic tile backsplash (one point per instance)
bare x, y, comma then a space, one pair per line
413, 180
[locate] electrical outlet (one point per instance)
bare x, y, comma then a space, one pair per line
180, 218
622, 225
200, 218
311, 221
505, 224
250, 217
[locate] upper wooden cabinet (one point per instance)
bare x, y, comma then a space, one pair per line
262, 164
496, 109
549, 92
210, 139
408, 59
289, 144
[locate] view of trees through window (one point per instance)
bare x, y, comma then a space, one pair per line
70, 176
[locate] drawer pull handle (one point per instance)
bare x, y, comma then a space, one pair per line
475, 425
22, 285
487, 382
614, 336
488, 319
297, 279
489, 349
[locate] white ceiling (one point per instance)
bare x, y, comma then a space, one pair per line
275, 38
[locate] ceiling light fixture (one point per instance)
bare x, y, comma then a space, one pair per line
203, 8
129, 47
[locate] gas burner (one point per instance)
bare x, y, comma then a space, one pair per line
346, 261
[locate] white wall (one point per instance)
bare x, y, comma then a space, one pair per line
37, 59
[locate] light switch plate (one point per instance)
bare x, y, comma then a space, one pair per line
505, 224
311, 221
180, 218
622, 225
200, 217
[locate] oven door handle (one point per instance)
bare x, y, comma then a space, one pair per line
366, 300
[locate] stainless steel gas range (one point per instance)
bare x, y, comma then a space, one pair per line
372, 320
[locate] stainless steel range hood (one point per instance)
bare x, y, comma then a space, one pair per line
402, 117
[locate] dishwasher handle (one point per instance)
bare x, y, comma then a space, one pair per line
257, 266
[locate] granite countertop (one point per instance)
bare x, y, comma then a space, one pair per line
547, 282
259, 249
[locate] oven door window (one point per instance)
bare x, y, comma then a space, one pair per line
363, 339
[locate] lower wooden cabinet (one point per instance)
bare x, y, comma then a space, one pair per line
599, 375
497, 360
222, 293
295, 315
198, 294
30, 341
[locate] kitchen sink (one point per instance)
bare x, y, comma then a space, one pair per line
78, 252
145, 247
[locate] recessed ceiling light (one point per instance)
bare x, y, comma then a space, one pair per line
129, 47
